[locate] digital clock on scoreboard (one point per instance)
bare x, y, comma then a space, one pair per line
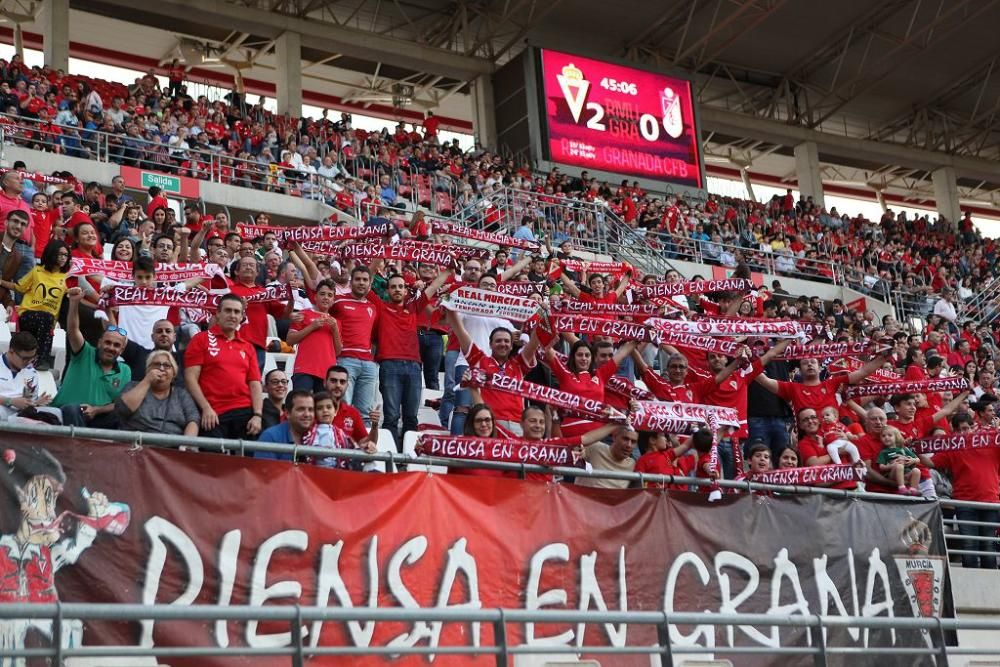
619, 119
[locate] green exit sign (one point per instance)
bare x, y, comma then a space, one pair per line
167, 183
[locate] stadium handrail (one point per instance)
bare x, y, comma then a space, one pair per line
501, 647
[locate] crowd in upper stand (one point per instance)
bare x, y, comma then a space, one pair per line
370, 341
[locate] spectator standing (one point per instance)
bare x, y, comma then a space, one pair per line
43, 290
317, 335
400, 374
155, 404
94, 377
16, 257
222, 376
357, 315
244, 285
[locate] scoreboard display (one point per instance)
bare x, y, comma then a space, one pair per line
619, 119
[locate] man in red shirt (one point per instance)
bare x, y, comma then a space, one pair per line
813, 393
347, 418
400, 374
11, 187
255, 329
914, 426
507, 408
357, 315
222, 376
598, 289
676, 386
975, 475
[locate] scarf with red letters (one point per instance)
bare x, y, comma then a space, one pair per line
122, 295
552, 452
812, 475
957, 442
474, 301
596, 326
122, 271
584, 407
907, 387
451, 229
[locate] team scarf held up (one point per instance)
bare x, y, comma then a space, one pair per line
616, 383
595, 326
307, 234
907, 387
729, 328
663, 290
675, 417
957, 442
609, 268
584, 407
494, 238
124, 295
122, 271
809, 329
551, 453
411, 251
812, 475
574, 307
486, 303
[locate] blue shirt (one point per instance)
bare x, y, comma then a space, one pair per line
279, 433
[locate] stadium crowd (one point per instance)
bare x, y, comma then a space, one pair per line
175, 339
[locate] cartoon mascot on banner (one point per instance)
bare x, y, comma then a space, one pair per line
36, 542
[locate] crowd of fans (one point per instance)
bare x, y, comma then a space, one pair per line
370, 339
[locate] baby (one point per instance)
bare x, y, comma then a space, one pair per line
836, 437
898, 462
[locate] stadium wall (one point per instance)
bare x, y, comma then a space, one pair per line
974, 593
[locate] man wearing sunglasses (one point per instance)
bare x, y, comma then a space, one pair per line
94, 377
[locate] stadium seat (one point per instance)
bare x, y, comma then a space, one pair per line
443, 204
385, 444
410, 449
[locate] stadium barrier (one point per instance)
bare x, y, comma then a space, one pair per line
670, 653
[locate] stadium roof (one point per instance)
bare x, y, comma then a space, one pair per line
917, 74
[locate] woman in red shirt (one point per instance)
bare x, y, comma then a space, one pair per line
580, 378
87, 246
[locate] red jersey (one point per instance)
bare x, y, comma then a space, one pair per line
506, 407
975, 473
920, 427
664, 462
396, 329
663, 390
41, 228
817, 396
227, 369
315, 353
585, 386
349, 420
732, 393
254, 330
357, 319
26, 575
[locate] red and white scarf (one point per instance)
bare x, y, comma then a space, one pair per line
612, 268
596, 326
809, 329
474, 301
585, 407
734, 328
669, 290
122, 271
958, 442
451, 229
160, 296
812, 475
907, 387
409, 251
522, 288
344, 233
37, 178
649, 414
552, 452
831, 351
573, 307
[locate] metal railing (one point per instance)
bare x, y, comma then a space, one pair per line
957, 544
930, 637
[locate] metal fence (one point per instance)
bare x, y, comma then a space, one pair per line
502, 649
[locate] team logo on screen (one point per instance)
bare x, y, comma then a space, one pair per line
673, 123
574, 89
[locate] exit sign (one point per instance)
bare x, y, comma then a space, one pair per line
143, 179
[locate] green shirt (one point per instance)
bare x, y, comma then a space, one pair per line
86, 382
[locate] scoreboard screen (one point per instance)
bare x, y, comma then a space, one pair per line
619, 119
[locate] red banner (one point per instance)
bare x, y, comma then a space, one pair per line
597, 326
118, 270
193, 298
959, 442
669, 290
305, 234
907, 387
573, 307
211, 529
531, 391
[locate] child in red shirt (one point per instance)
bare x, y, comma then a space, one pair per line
835, 437
662, 459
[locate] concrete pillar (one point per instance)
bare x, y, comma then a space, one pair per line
19, 40
745, 175
54, 19
808, 172
946, 194
880, 197
484, 123
288, 48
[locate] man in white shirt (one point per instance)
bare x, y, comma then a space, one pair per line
19, 380
946, 308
